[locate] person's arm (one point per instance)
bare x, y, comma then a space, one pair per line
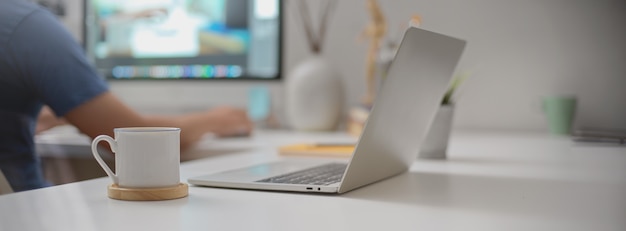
106, 112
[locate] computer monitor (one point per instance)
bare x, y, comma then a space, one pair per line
184, 39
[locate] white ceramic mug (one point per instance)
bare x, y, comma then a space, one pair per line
145, 157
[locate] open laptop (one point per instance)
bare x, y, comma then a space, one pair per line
397, 125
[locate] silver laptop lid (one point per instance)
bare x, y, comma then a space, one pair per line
405, 107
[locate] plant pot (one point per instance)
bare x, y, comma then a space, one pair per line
436, 143
314, 96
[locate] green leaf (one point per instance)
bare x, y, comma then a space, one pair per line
457, 80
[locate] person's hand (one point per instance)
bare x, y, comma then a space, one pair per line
229, 121
47, 120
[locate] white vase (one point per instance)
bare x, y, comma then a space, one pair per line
435, 145
314, 96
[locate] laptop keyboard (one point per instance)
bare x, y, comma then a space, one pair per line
321, 175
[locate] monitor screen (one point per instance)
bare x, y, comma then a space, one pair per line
184, 39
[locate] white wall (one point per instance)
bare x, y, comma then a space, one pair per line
518, 50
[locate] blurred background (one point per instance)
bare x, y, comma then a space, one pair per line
518, 52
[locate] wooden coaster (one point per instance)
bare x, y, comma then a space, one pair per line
148, 194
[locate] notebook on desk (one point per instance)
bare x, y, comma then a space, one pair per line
403, 111
317, 149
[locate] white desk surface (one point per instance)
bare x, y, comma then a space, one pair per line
492, 181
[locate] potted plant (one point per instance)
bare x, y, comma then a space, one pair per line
435, 145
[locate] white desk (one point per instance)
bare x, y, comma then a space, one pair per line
492, 181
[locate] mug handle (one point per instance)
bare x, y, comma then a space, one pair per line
94, 150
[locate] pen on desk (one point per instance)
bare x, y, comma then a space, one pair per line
599, 136
589, 139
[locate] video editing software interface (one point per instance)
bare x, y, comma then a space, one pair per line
176, 39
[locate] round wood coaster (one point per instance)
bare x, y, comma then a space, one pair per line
148, 194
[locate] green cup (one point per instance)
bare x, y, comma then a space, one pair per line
560, 111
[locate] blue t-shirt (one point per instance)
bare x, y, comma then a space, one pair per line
40, 64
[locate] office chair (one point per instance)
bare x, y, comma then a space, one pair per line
5, 187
